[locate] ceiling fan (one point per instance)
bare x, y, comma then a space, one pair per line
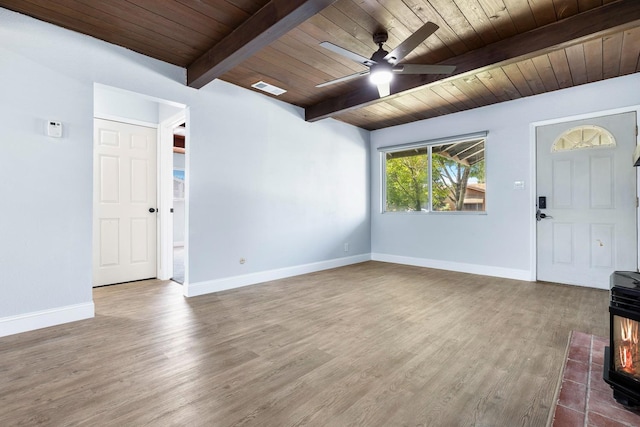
383, 65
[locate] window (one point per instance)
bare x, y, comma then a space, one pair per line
439, 176
582, 137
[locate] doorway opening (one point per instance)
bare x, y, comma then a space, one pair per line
179, 182
130, 110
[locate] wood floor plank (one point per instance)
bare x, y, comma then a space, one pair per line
372, 344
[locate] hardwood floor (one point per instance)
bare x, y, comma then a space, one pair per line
372, 344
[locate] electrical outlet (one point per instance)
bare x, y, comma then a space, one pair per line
242, 260
346, 247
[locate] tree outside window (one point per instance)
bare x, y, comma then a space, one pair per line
407, 182
437, 177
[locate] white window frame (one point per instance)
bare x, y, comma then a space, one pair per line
428, 144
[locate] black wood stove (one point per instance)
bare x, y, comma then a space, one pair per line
622, 357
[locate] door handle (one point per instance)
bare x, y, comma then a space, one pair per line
540, 216
152, 210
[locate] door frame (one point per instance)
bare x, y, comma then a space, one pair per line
164, 190
165, 196
533, 250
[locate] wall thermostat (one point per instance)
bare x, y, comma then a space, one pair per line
54, 129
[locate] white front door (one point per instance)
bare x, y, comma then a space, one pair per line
590, 188
125, 218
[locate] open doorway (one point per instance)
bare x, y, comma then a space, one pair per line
117, 107
179, 181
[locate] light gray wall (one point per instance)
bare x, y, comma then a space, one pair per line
45, 220
264, 184
267, 186
47, 73
112, 103
166, 111
502, 237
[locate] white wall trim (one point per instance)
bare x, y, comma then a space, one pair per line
101, 86
590, 115
187, 197
533, 191
209, 286
165, 194
45, 318
485, 270
127, 120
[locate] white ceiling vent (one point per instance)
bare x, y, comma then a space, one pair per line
266, 87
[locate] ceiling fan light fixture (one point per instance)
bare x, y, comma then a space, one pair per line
384, 90
380, 75
383, 65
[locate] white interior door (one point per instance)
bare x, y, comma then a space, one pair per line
125, 207
590, 189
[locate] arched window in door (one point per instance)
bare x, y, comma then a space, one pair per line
581, 137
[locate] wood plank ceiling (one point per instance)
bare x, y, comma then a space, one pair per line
503, 49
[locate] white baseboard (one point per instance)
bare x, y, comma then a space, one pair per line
45, 318
485, 270
209, 286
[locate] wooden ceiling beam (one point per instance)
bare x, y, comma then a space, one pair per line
271, 22
594, 23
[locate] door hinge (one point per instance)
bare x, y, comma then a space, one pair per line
637, 202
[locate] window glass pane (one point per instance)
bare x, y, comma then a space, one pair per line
582, 137
407, 181
458, 176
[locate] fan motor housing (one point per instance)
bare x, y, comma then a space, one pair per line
379, 55
380, 37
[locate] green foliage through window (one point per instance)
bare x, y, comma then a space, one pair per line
444, 177
407, 185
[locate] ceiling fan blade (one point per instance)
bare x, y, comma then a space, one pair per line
347, 54
384, 89
423, 69
411, 42
344, 79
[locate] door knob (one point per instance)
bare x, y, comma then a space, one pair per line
540, 216
152, 210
